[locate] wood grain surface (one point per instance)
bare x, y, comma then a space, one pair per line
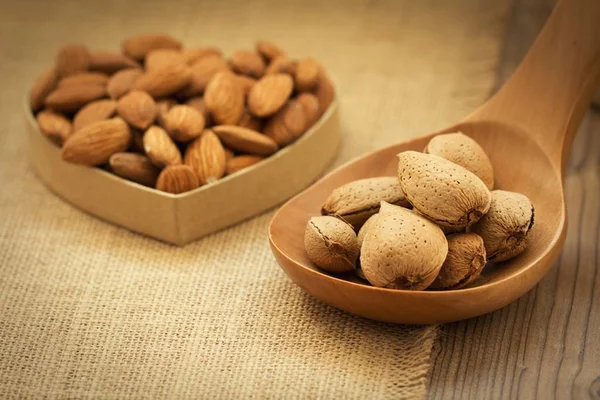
547, 344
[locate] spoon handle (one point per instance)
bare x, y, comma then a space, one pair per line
550, 91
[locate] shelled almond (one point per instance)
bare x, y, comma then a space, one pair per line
155, 112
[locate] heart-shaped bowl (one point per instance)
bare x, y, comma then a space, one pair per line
180, 219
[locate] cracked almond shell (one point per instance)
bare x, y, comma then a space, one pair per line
331, 244
464, 262
402, 250
444, 192
356, 201
464, 151
505, 227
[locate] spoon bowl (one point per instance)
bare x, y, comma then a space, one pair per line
526, 129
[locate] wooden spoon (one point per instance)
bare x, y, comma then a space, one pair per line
527, 129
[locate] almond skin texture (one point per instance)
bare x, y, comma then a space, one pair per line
164, 81
94, 144
245, 140
463, 264
402, 250
191, 56
356, 201
288, 124
238, 163
134, 167
245, 82
505, 227
224, 98
177, 179
464, 151
71, 98
138, 109
306, 75
72, 59
160, 148
122, 82
95, 111
137, 47
184, 123
162, 108
248, 63
311, 107
54, 126
331, 244
161, 57
281, 65
43, 85
206, 157
250, 121
199, 104
269, 50
442, 191
202, 72
83, 78
269, 94
110, 62
324, 92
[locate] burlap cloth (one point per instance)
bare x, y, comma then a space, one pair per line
91, 310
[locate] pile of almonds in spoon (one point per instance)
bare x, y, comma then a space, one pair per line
435, 225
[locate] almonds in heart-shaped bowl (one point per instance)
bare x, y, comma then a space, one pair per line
178, 143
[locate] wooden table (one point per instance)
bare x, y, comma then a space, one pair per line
547, 344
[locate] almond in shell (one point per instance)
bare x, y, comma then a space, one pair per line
244, 140
160, 148
248, 63
269, 94
110, 62
54, 126
72, 59
177, 179
463, 264
184, 123
164, 81
95, 111
331, 244
134, 167
43, 85
71, 98
138, 109
238, 163
224, 99
122, 82
206, 157
137, 47
94, 144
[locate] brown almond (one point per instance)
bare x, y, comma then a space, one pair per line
269, 94
281, 65
95, 111
202, 72
72, 59
287, 125
324, 92
442, 191
198, 104
134, 167
206, 157
164, 81
464, 151
184, 123
162, 108
238, 163
245, 82
250, 121
356, 201
43, 85
269, 50
306, 75
191, 56
311, 107
83, 78
110, 62
224, 99
177, 179
54, 126
247, 62
137, 47
244, 140
138, 109
228, 154
72, 98
160, 148
94, 144
122, 82
161, 57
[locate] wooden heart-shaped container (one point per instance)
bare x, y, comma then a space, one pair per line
180, 219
